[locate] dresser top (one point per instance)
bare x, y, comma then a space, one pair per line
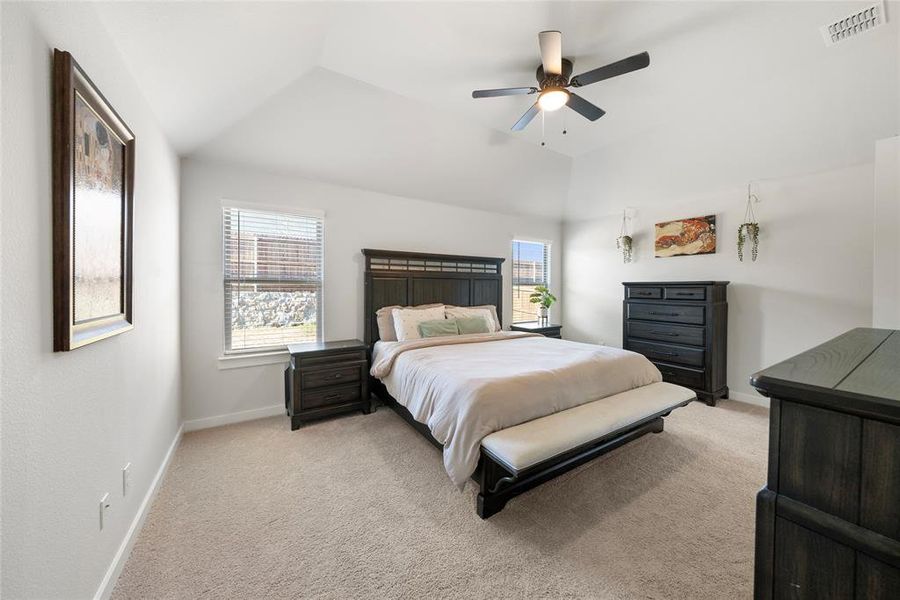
326, 346
676, 283
858, 371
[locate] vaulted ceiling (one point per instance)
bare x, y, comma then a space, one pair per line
377, 94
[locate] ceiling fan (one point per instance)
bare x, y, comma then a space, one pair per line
553, 79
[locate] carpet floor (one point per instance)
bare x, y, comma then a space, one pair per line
360, 507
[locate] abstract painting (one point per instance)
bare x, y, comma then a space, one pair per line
686, 236
93, 183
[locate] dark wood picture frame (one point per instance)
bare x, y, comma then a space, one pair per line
70, 80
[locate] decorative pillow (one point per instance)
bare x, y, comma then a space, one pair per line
406, 320
438, 328
472, 325
488, 311
386, 320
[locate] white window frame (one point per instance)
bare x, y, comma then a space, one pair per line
249, 357
512, 280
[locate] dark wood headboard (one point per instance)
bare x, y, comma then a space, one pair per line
412, 278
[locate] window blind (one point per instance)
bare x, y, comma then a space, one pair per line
273, 266
531, 268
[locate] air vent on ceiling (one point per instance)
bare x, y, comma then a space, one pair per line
861, 21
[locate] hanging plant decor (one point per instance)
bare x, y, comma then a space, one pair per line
624, 242
749, 229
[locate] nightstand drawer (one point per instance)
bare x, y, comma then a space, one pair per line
331, 359
330, 396
665, 352
338, 375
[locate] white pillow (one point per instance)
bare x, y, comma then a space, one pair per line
406, 320
456, 312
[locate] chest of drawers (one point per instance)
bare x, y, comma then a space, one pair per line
682, 327
325, 378
828, 519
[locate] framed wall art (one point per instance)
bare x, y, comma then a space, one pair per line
93, 187
686, 236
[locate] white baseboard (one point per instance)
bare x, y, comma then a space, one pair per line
236, 417
121, 557
749, 398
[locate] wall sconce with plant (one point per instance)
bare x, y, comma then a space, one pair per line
749, 229
624, 242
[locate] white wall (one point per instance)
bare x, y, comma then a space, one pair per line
354, 219
72, 420
811, 282
886, 290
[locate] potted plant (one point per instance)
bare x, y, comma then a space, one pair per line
624, 244
749, 229
541, 295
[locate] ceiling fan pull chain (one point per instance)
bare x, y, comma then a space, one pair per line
543, 124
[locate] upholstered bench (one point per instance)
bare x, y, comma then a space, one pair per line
518, 457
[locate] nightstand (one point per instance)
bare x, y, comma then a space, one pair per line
326, 378
545, 329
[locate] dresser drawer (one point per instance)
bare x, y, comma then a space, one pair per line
693, 315
685, 293
692, 378
644, 292
681, 334
322, 376
666, 352
330, 396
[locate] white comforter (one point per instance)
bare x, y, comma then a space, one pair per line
467, 387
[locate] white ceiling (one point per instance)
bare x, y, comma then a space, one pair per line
313, 83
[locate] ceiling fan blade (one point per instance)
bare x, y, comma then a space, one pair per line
626, 65
504, 92
551, 52
585, 108
527, 117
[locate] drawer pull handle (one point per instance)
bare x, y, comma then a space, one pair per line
333, 397
668, 333
684, 293
337, 375
659, 314
667, 353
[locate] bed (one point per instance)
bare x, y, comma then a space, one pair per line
510, 410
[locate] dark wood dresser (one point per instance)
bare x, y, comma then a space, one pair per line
682, 327
545, 329
828, 519
326, 378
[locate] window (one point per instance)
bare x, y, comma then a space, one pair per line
273, 279
531, 267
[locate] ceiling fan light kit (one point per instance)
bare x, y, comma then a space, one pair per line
553, 76
553, 98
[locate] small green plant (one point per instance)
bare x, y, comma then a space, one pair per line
541, 295
751, 231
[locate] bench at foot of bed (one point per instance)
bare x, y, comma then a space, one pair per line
519, 458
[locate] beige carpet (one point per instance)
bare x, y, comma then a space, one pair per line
360, 507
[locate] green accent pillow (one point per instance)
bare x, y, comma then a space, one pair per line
437, 328
472, 325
